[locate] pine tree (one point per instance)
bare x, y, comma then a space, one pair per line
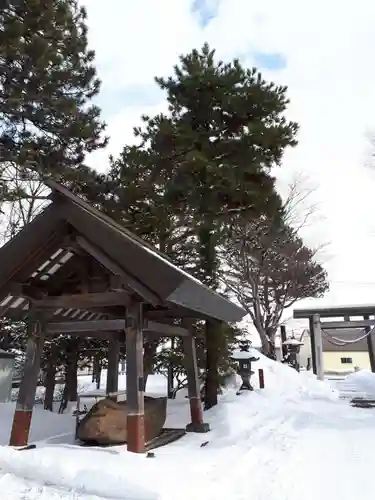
138, 197
225, 132
47, 83
47, 120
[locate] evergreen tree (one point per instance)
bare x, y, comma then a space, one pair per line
47, 118
225, 131
138, 197
47, 83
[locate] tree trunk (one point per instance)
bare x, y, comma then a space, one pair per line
212, 364
50, 379
71, 377
148, 358
93, 369
4, 340
71, 368
268, 348
96, 370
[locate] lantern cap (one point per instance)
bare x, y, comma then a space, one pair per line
237, 354
292, 341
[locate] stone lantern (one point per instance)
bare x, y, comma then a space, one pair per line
244, 357
293, 347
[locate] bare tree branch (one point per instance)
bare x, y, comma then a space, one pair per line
23, 197
268, 268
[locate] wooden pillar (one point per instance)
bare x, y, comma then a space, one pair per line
50, 377
26, 396
113, 363
261, 378
135, 380
170, 373
196, 411
317, 334
312, 343
370, 345
284, 350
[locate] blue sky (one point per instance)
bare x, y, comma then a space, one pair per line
205, 10
272, 61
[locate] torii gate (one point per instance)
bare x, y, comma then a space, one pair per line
354, 317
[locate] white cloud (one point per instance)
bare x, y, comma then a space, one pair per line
328, 46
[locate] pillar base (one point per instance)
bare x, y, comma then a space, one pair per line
136, 433
20, 428
200, 428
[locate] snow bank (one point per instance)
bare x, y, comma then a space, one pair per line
92, 471
241, 426
283, 381
362, 381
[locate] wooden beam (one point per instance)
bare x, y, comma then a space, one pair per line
171, 312
135, 381
336, 325
335, 312
165, 330
138, 287
85, 300
99, 335
151, 327
69, 327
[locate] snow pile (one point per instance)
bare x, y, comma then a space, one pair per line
362, 381
250, 435
81, 469
283, 381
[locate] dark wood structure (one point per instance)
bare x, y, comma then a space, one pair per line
74, 271
351, 317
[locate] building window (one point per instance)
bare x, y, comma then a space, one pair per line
346, 361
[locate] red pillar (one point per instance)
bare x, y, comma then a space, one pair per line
135, 381
26, 395
197, 424
261, 378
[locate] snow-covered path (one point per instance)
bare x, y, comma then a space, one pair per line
324, 453
306, 451
21, 488
294, 440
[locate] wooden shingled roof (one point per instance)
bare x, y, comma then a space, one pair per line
44, 248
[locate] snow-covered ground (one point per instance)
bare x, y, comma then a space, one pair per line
357, 384
294, 440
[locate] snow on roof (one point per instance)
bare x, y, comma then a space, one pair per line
238, 354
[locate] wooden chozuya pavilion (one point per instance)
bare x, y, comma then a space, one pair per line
74, 271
